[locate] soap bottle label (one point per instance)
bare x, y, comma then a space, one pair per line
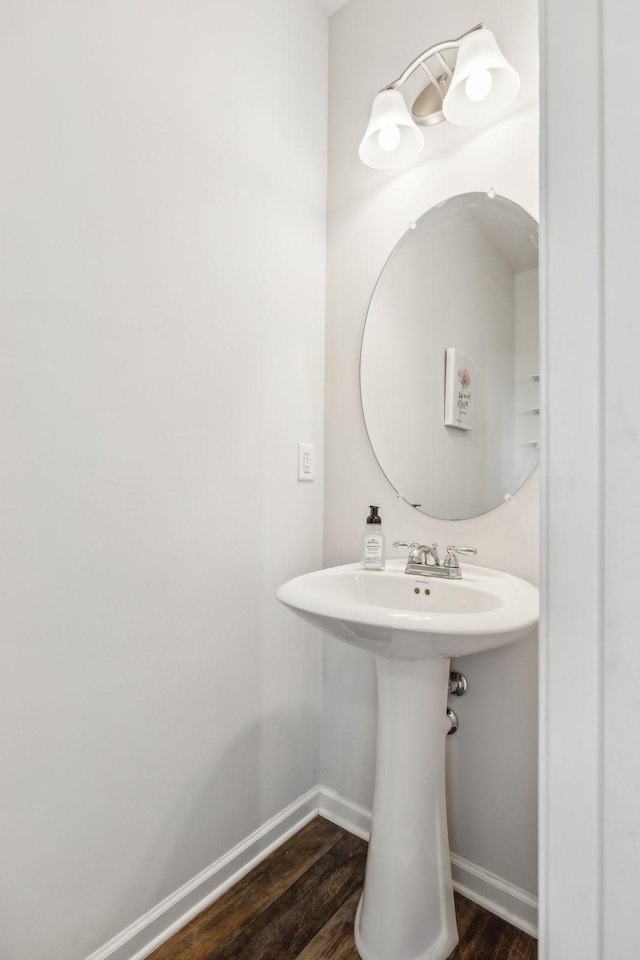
373, 552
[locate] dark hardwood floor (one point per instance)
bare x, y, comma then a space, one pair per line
300, 903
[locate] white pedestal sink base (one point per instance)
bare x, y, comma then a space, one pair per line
407, 910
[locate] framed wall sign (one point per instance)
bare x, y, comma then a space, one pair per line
458, 390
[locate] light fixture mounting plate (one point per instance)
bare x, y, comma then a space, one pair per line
427, 107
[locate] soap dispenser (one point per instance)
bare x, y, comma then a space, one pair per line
373, 542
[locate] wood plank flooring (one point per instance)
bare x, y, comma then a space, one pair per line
300, 904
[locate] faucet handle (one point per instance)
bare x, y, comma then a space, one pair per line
451, 559
403, 543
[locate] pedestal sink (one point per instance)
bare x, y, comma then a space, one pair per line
413, 625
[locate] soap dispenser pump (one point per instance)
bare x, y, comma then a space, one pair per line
373, 542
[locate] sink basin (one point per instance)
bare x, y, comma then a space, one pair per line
408, 617
413, 625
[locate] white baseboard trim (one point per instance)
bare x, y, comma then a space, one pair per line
499, 896
146, 934
345, 813
505, 899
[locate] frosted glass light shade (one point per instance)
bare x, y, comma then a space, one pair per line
479, 52
392, 138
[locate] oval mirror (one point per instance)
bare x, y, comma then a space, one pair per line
449, 359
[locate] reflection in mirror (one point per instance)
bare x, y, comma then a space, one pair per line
449, 360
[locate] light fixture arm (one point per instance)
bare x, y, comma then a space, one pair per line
435, 50
443, 63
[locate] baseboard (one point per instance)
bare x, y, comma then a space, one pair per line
345, 813
146, 934
499, 896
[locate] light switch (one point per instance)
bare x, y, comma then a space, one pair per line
305, 461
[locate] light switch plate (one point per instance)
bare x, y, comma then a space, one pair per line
305, 461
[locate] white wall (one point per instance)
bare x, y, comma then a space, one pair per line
162, 203
590, 762
493, 757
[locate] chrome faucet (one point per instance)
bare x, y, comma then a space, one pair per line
418, 560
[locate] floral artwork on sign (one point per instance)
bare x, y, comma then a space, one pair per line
458, 390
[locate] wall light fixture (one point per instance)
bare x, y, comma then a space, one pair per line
473, 83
